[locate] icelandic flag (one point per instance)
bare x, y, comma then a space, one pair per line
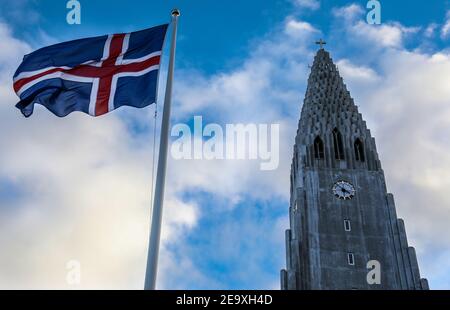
93, 75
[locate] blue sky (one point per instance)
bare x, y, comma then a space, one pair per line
208, 28
77, 188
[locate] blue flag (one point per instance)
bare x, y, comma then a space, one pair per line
93, 75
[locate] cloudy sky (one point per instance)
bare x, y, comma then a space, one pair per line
78, 188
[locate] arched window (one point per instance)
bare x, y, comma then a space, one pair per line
359, 150
319, 152
338, 145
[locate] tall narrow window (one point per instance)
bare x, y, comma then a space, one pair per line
338, 146
347, 225
351, 259
359, 151
318, 149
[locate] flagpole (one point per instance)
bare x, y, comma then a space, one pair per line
155, 230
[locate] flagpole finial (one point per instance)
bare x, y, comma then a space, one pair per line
176, 12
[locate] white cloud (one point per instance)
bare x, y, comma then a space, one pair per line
388, 34
10, 51
308, 4
83, 193
408, 114
385, 35
446, 29
20, 11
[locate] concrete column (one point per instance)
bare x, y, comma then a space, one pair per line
396, 241
405, 255
414, 267
424, 284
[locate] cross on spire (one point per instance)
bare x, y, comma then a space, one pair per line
321, 43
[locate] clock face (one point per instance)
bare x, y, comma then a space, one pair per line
344, 190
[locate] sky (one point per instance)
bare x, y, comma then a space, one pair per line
78, 188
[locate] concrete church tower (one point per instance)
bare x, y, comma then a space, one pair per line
341, 216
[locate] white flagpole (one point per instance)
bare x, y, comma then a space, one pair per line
155, 230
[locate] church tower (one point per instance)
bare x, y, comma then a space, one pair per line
343, 224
